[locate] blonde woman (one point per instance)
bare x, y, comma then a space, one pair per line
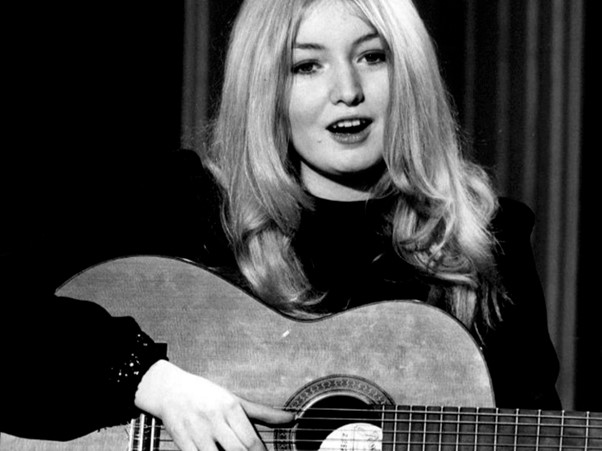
335, 176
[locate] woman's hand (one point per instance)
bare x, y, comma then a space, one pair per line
199, 414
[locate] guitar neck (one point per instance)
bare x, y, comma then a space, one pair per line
146, 434
406, 427
443, 428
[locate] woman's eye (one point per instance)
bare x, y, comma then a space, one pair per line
305, 68
375, 57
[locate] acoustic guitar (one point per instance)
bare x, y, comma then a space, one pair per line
392, 376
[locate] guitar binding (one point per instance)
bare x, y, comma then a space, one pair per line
328, 404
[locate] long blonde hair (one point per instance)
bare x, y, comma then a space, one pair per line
444, 201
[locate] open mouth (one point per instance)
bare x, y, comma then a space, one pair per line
349, 126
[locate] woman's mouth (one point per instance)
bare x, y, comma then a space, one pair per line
350, 131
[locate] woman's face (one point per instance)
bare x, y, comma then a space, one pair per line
338, 102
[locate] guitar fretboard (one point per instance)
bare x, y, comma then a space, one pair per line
453, 428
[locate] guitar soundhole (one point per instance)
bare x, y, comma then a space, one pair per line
329, 415
331, 404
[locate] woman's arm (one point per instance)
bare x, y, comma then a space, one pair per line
519, 352
91, 370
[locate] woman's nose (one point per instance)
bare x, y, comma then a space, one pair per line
346, 86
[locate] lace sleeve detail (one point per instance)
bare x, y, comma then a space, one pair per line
127, 370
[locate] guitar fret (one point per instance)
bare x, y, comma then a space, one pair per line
594, 431
515, 429
467, 427
526, 433
586, 430
458, 430
538, 429
417, 426
141, 434
433, 428
440, 428
549, 432
476, 435
145, 433
383, 422
153, 434
577, 431
486, 423
506, 429
560, 444
389, 426
133, 425
449, 428
409, 439
395, 430
497, 411
424, 432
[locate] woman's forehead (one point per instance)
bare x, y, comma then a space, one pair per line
344, 5
326, 7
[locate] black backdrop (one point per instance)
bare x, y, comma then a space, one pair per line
93, 97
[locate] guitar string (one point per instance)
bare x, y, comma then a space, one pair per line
494, 447
510, 431
268, 438
433, 417
439, 444
462, 422
455, 433
595, 417
441, 434
419, 442
461, 446
460, 434
475, 411
267, 431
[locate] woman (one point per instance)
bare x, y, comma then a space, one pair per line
335, 176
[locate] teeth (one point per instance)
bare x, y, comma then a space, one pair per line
348, 123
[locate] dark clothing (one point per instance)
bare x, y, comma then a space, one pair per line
70, 354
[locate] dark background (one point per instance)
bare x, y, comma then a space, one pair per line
93, 98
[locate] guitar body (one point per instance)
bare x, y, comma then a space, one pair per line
402, 352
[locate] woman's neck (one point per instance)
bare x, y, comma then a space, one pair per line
343, 189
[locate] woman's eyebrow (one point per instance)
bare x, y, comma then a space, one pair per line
314, 46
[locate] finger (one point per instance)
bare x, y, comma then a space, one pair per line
244, 430
266, 414
186, 442
186, 445
234, 438
204, 442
